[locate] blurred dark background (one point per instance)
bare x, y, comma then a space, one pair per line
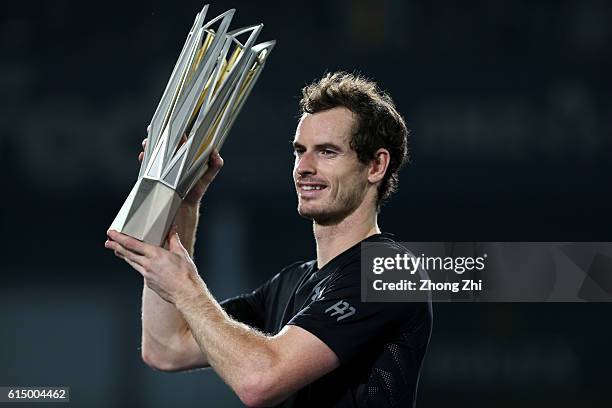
509, 103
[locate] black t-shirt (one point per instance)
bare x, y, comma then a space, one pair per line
380, 345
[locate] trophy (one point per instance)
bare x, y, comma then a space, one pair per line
211, 80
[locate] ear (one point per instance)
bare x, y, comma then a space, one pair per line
378, 165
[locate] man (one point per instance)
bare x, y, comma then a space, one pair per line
303, 338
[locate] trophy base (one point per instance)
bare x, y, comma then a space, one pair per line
148, 212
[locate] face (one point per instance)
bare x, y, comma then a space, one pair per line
330, 181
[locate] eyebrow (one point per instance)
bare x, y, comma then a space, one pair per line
321, 146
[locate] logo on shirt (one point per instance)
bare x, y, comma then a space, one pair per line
341, 309
318, 291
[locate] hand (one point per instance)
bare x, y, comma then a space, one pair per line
169, 273
215, 163
193, 198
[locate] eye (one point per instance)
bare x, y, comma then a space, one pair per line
327, 152
298, 152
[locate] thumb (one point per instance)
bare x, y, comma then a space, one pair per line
174, 243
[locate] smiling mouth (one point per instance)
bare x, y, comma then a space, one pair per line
310, 190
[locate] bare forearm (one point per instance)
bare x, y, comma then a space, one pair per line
165, 334
187, 224
239, 354
166, 337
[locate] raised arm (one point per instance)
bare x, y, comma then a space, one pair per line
261, 369
167, 342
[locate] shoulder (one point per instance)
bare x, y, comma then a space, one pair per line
387, 241
292, 272
349, 265
298, 267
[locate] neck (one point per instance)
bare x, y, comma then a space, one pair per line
332, 240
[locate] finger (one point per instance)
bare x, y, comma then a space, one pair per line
144, 143
133, 264
215, 160
140, 156
118, 255
215, 163
124, 253
132, 244
140, 269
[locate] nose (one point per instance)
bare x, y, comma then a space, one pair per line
305, 164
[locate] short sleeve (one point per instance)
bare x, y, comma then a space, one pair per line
248, 308
348, 326
253, 308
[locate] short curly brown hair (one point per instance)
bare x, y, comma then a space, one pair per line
378, 125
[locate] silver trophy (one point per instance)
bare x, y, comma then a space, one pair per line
211, 80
